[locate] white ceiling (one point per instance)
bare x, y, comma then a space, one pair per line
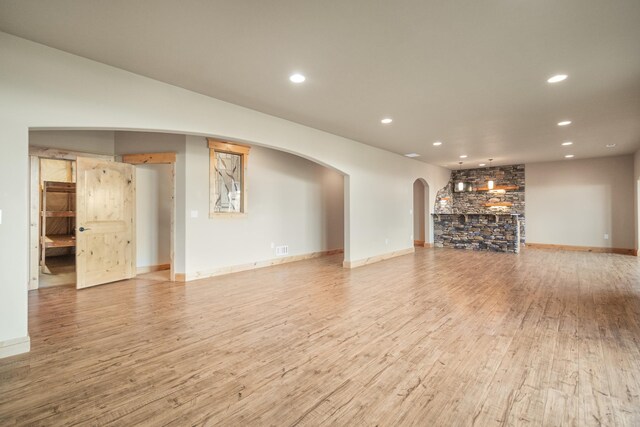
469, 73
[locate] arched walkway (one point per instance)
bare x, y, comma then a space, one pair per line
421, 218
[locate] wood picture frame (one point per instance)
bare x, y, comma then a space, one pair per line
216, 205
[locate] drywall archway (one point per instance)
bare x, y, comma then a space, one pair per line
329, 235
77, 93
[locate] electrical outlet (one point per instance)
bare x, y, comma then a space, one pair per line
282, 250
606, 237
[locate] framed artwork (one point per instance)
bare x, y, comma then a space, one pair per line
227, 178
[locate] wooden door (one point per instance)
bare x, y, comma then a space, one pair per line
105, 221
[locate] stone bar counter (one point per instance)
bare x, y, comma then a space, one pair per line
491, 232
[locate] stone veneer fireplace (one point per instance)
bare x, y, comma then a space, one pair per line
480, 218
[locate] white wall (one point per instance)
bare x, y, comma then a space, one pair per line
291, 201
14, 235
577, 202
153, 214
87, 141
45, 88
312, 220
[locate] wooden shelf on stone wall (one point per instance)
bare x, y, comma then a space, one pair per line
498, 187
498, 204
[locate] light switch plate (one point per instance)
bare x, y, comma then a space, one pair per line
194, 214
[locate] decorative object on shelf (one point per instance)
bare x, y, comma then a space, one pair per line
462, 186
490, 183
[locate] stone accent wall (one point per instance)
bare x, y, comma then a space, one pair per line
474, 201
444, 200
499, 233
448, 201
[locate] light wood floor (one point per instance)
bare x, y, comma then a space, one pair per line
442, 337
63, 272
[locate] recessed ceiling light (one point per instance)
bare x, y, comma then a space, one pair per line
557, 78
564, 123
610, 145
567, 143
437, 143
482, 164
297, 78
568, 156
412, 155
464, 156
386, 121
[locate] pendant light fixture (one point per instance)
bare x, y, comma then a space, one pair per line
460, 184
490, 183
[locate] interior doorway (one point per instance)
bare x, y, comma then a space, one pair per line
60, 232
57, 180
155, 214
421, 220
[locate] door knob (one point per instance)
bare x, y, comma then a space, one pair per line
81, 229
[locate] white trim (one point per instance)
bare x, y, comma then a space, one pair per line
254, 265
15, 346
377, 258
152, 268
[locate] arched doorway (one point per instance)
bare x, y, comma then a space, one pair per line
421, 220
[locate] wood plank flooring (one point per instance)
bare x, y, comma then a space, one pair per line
439, 338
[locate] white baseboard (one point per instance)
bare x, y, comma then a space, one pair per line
595, 249
251, 266
15, 346
377, 258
